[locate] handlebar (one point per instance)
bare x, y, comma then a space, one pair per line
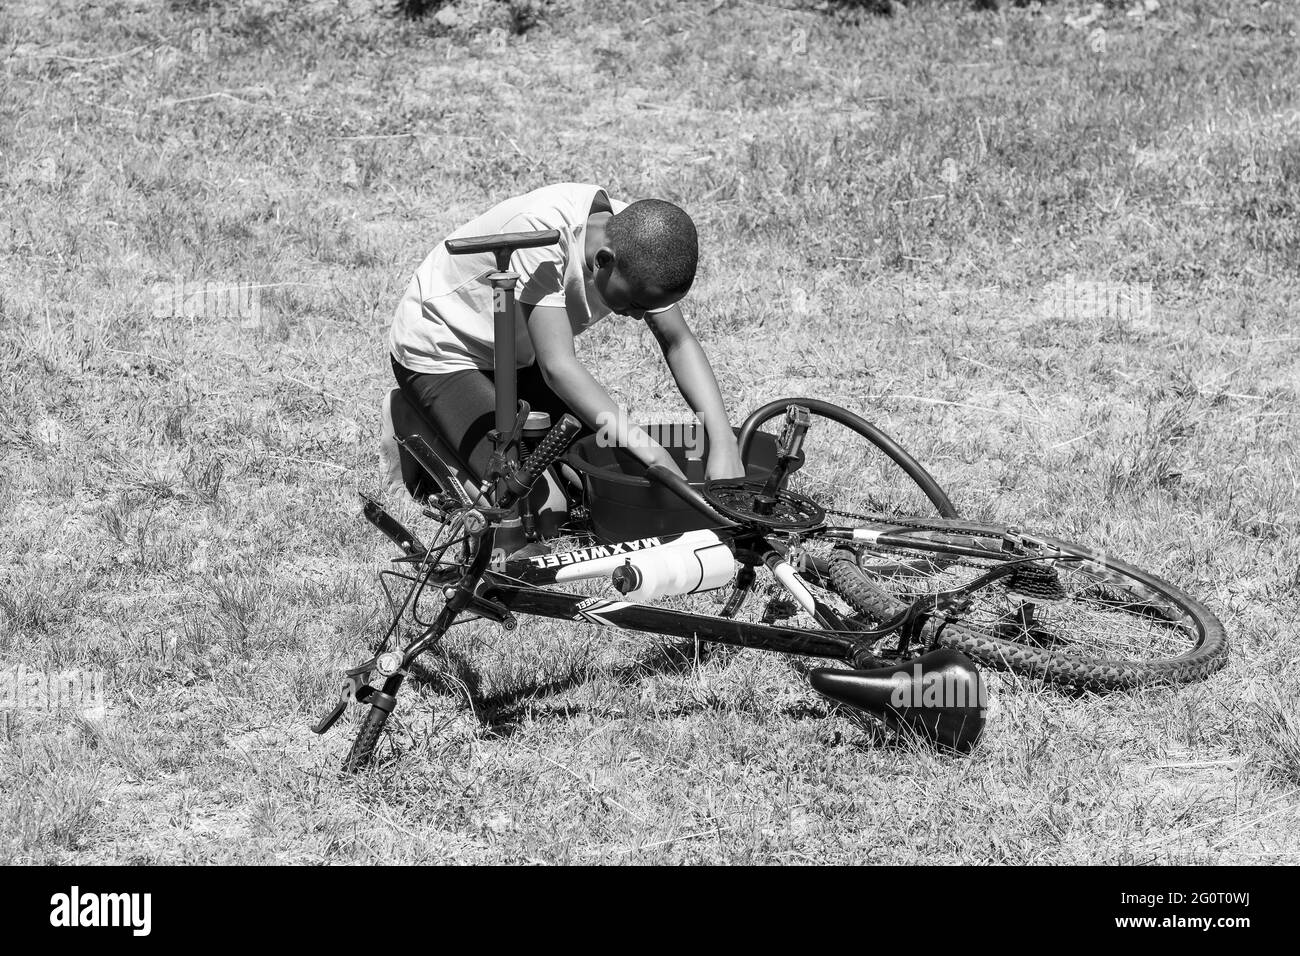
683, 489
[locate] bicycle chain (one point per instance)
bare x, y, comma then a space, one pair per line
920, 524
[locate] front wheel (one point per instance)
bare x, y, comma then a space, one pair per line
363, 748
1061, 612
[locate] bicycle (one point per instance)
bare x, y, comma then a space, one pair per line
913, 603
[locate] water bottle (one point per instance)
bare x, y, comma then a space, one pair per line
535, 429
683, 567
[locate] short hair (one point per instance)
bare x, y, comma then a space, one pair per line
656, 245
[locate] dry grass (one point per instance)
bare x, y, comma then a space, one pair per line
177, 499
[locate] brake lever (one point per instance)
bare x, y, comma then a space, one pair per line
356, 685
330, 719
521, 420
499, 465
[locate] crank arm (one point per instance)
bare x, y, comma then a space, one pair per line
490, 610
744, 583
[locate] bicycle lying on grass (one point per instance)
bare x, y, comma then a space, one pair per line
911, 603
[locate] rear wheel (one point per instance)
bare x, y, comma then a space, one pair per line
1062, 612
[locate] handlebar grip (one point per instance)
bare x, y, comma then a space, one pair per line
547, 452
682, 489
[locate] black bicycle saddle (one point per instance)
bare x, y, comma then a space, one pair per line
938, 696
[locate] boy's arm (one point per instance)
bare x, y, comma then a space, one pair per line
552, 336
698, 385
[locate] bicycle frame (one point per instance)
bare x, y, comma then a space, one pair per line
526, 586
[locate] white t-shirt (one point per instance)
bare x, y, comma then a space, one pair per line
444, 321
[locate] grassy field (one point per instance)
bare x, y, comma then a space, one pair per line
886, 206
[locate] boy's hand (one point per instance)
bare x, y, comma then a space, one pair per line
724, 462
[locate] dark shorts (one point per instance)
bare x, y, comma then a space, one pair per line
461, 406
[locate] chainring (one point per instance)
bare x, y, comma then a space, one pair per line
740, 501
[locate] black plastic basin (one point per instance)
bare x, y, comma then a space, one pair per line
623, 502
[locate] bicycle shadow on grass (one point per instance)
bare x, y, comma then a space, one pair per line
505, 711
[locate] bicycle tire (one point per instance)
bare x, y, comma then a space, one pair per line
912, 468
1067, 667
363, 748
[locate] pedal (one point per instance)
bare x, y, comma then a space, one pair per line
779, 609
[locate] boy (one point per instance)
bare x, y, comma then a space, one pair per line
636, 260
